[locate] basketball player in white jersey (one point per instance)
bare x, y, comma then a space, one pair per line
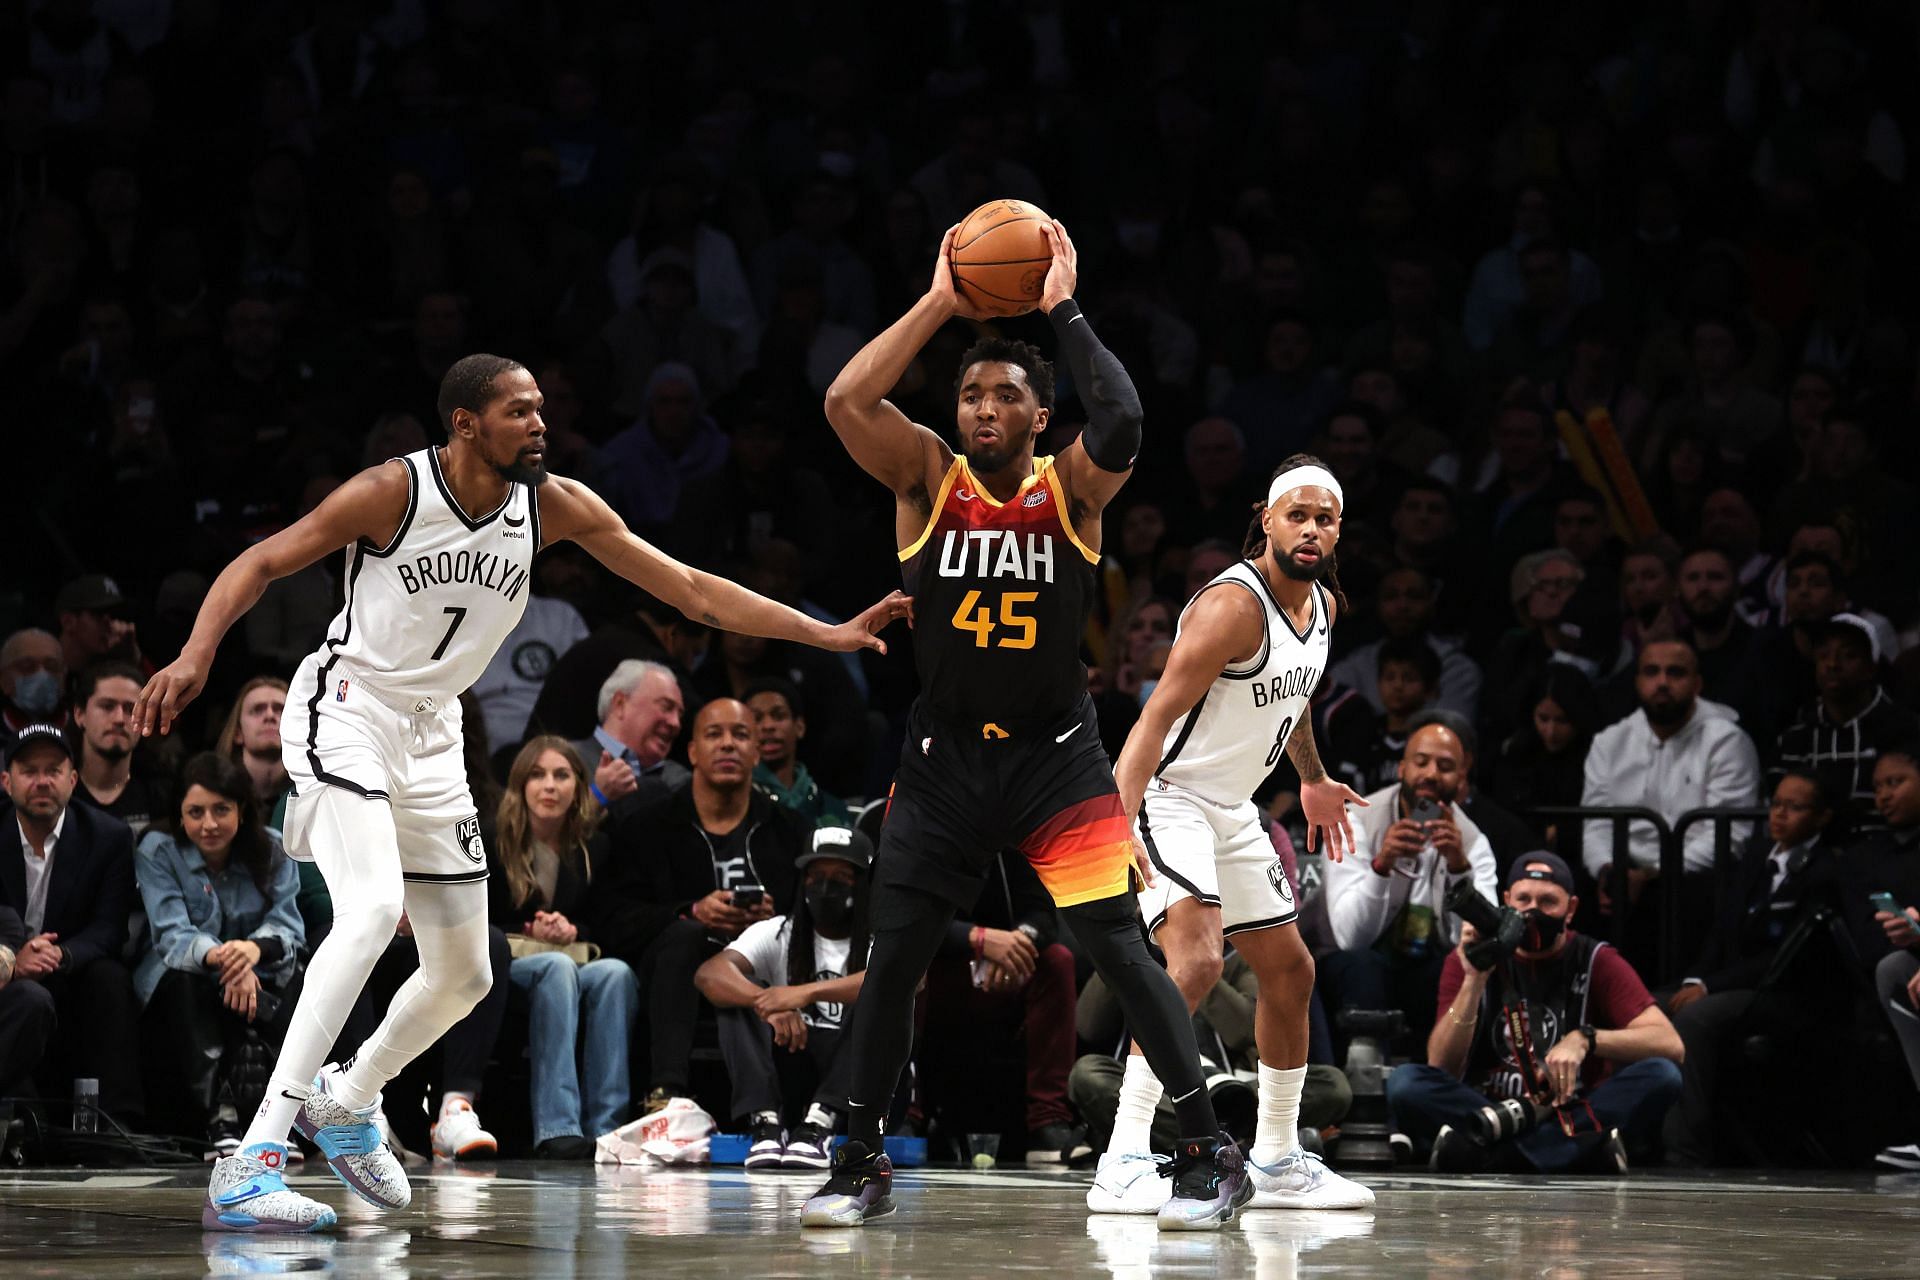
440, 547
1250, 648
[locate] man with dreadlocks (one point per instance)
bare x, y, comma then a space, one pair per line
784, 988
1249, 649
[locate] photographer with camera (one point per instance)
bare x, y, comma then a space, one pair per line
1385, 911
1549, 1053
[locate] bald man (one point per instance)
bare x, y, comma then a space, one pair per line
1385, 903
687, 873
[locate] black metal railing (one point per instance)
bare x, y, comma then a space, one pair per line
1570, 843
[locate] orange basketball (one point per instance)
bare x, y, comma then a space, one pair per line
1000, 259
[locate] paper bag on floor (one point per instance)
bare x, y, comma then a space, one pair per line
675, 1134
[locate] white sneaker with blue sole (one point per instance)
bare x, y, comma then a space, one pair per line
1301, 1180
248, 1192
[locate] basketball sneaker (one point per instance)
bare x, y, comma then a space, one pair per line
1301, 1180
248, 1193
860, 1187
457, 1135
1210, 1183
808, 1147
1905, 1156
352, 1143
769, 1142
1129, 1182
1057, 1144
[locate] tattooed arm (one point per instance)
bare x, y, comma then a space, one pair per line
1323, 802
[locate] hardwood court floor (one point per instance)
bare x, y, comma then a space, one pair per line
534, 1222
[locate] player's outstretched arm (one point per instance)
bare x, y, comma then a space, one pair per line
569, 511
1096, 464
371, 506
887, 445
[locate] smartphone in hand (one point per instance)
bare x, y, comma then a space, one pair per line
1884, 901
747, 897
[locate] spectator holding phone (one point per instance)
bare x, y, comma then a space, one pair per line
1880, 902
688, 873
1384, 905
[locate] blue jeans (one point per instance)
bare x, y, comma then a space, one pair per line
1633, 1100
588, 1009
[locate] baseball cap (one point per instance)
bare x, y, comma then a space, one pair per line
843, 843
89, 592
1854, 622
36, 734
1528, 866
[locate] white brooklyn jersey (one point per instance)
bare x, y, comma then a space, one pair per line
1235, 735
426, 613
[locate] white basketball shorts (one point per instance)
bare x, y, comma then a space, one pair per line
337, 732
1216, 854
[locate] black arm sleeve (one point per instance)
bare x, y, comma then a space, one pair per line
1112, 436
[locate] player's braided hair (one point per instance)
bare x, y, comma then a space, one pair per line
1011, 351
469, 385
1256, 544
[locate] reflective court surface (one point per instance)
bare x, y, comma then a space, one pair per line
529, 1220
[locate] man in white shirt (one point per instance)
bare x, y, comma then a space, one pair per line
1677, 753
781, 1031
1386, 908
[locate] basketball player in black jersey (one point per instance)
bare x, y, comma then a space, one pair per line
1003, 749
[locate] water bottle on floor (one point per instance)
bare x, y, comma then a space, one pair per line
86, 1105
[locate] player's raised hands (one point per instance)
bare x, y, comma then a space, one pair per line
167, 694
863, 632
1324, 805
1064, 273
942, 286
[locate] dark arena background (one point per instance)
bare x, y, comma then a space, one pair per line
1601, 312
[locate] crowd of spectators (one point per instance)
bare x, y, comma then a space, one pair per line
1592, 308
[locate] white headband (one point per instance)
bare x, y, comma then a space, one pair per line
1299, 476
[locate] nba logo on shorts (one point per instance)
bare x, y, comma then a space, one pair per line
1277, 877
467, 834
340, 694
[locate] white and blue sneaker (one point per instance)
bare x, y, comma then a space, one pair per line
1129, 1182
1301, 1180
351, 1141
248, 1192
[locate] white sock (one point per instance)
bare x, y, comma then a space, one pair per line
821, 1116
1133, 1116
447, 1102
1278, 1131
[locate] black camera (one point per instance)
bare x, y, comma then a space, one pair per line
1508, 1118
1501, 928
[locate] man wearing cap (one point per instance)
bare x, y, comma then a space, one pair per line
67, 871
33, 683
785, 989
1851, 718
690, 871
93, 623
1564, 1021
1677, 753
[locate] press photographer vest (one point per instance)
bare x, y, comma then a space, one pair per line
1553, 994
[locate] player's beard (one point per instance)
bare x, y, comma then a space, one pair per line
988, 461
521, 471
1303, 572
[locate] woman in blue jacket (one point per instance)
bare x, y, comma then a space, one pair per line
226, 937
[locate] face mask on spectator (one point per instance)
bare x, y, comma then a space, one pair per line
830, 905
37, 692
1543, 930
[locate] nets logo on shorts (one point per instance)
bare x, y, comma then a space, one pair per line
467, 834
1277, 877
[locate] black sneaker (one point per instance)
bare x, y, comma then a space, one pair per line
769, 1142
1210, 1184
1455, 1152
223, 1134
860, 1187
1607, 1157
1058, 1144
570, 1146
808, 1147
